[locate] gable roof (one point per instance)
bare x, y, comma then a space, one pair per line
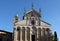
6, 31
34, 12
45, 22
37, 14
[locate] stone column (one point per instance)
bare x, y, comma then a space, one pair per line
21, 34
43, 34
39, 34
35, 34
28, 33
46, 35
15, 34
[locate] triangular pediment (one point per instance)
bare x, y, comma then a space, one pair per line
33, 13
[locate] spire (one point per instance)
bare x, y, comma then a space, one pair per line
32, 6
17, 14
40, 11
24, 11
16, 19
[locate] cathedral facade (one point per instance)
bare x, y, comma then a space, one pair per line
32, 27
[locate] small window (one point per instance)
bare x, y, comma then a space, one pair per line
47, 29
32, 22
16, 18
18, 34
18, 28
32, 15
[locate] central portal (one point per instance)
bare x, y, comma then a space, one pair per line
33, 37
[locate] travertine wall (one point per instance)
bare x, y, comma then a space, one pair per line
31, 25
5, 36
26, 33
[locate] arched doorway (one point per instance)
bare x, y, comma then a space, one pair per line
33, 37
34, 33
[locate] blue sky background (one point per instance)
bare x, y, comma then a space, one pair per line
50, 12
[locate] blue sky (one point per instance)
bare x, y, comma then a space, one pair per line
50, 12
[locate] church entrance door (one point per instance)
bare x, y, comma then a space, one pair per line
33, 37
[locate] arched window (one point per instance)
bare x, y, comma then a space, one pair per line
48, 33
23, 33
39, 31
47, 29
43, 29
32, 22
43, 32
18, 33
16, 18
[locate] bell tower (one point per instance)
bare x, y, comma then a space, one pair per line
16, 18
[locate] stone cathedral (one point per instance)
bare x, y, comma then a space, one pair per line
32, 27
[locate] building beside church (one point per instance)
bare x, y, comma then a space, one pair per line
32, 27
5, 36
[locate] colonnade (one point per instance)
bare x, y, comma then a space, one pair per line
25, 34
